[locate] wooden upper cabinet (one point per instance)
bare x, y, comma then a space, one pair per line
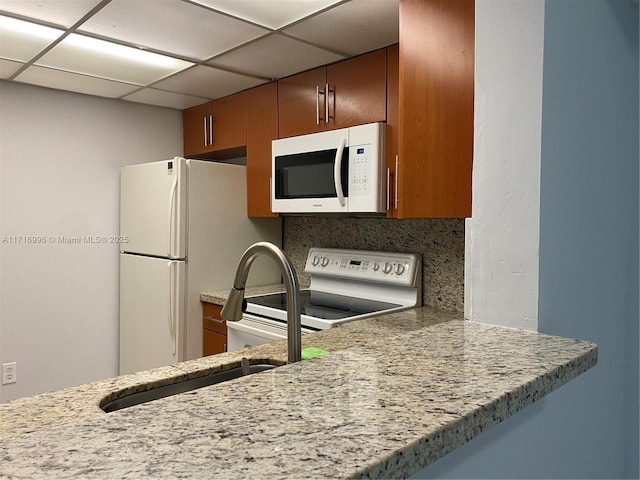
436, 82
301, 103
262, 128
229, 122
195, 126
358, 90
356, 95
215, 127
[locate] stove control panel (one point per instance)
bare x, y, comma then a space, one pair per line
384, 267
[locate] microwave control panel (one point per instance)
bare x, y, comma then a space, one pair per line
359, 169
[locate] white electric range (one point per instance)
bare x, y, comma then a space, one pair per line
346, 285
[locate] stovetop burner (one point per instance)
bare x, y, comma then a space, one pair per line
324, 305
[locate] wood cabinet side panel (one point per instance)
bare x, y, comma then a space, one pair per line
297, 103
358, 90
262, 128
436, 107
392, 124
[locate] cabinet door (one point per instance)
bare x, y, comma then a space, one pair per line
229, 122
436, 108
214, 330
213, 342
196, 134
358, 90
300, 108
262, 128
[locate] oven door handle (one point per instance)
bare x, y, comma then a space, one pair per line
241, 327
337, 170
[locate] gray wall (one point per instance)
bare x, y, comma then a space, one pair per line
589, 219
588, 285
60, 157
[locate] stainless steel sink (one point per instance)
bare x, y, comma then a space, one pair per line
180, 386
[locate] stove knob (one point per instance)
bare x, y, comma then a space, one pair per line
325, 261
376, 267
387, 267
399, 269
315, 260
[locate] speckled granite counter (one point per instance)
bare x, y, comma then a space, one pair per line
395, 393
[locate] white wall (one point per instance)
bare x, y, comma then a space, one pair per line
60, 154
501, 259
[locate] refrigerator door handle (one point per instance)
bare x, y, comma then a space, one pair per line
172, 298
172, 219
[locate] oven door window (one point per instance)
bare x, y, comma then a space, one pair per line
309, 175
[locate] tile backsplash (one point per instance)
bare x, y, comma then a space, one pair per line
440, 242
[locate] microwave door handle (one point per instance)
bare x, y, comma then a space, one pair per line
337, 169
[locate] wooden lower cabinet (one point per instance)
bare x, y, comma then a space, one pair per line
214, 333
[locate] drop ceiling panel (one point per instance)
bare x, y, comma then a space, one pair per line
275, 56
80, 54
354, 27
60, 12
8, 68
46, 77
207, 82
272, 13
232, 43
23, 40
151, 96
171, 26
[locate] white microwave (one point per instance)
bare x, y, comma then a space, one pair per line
337, 171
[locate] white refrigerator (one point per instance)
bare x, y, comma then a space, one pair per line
183, 226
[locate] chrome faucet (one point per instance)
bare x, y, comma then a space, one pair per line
232, 309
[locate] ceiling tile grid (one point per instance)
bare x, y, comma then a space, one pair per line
181, 53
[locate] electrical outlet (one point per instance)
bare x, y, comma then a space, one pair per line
9, 374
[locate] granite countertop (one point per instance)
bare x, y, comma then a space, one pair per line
220, 296
395, 393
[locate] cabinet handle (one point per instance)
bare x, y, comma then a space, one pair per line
205, 131
396, 181
214, 319
326, 103
388, 186
210, 129
317, 105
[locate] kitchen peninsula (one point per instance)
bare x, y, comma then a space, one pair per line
395, 393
